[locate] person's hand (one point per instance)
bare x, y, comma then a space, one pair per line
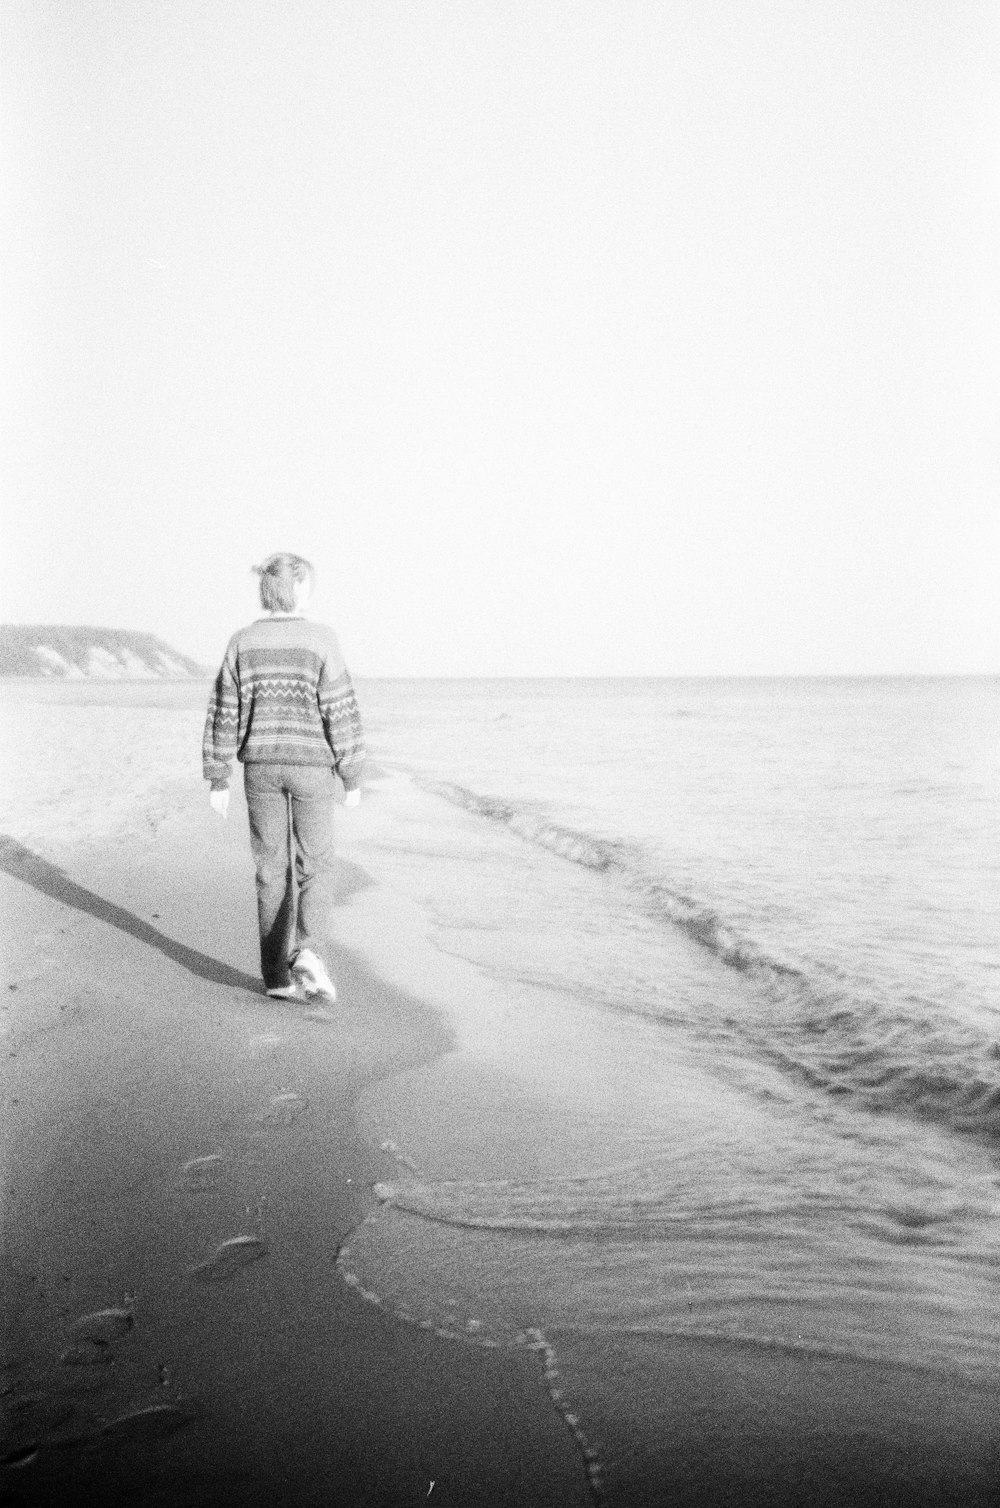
220, 802
353, 798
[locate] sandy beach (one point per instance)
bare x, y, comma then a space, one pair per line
201, 1187
574, 423
181, 1168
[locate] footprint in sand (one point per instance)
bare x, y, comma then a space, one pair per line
139, 1426
94, 1336
265, 1042
237, 1252
201, 1172
26, 1420
152, 1423
318, 1013
285, 1109
21, 1455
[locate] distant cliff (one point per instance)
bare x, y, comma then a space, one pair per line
99, 654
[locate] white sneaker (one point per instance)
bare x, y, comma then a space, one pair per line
311, 975
285, 992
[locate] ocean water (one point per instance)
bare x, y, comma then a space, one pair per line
835, 842
771, 908
748, 932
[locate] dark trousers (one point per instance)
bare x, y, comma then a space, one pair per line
291, 837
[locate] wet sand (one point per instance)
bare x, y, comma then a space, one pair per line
184, 1161
181, 1166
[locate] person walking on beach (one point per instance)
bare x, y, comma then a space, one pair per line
284, 706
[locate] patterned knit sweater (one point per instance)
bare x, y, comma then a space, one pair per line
283, 696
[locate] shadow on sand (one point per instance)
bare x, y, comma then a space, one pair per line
22, 864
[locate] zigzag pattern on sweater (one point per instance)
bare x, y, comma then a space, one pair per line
343, 706
279, 685
278, 702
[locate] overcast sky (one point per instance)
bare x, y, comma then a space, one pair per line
631, 337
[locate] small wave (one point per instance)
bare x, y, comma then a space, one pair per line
607, 1208
579, 848
698, 920
818, 1027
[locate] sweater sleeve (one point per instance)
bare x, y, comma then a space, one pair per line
222, 725
338, 707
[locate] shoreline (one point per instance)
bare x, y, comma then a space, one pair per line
530, 1093
156, 1113
165, 1107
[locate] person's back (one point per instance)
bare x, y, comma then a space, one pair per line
283, 696
284, 706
